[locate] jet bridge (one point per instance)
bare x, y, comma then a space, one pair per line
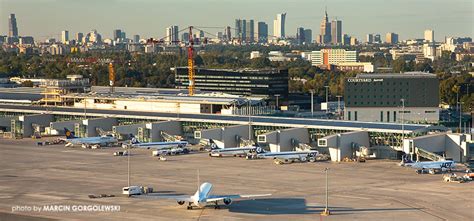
232, 136
285, 140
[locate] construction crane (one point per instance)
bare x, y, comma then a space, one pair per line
191, 62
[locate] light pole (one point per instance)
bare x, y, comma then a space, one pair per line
312, 102
339, 106
326, 211
403, 127
277, 96
250, 126
327, 105
460, 117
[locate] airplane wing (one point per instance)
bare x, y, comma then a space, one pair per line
213, 198
185, 198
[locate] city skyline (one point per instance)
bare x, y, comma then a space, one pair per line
78, 17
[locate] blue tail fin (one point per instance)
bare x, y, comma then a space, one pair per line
133, 139
69, 134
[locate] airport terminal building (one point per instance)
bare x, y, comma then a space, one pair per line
247, 82
378, 98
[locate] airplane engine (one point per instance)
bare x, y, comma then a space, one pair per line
227, 201
303, 159
181, 202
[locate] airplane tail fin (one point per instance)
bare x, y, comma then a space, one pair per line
69, 134
213, 144
133, 139
259, 149
406, 159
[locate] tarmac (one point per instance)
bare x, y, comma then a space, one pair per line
61, 178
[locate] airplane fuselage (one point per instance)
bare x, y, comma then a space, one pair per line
161, 145
232, 151
432, 165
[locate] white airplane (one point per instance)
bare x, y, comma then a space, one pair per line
165, 147
289, 156
217, 151
202, 197
429, 165
86, 142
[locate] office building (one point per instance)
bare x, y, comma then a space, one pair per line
247, 82
136, 39
185, 37
123, 36
279, 26
391, 38
336, 31
346, 39
172, 35
378, 98
300, 35
201, 34
327, 57
12, 26
325, 30
308, 36
228, 34
353, 41
250, 31
262, 32
79, 37
64, 36
117, 34
377, 38
429, 36
26, 40
370, 38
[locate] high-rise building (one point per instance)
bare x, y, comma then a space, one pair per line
429, 35
279, 26
123, 35
64, 36
354, 41
250, 31
325, 30
336, 31
238, 28
370, 38
308, 36
79, 36
346, 39
377, 38
300, 35
185, 37
228, 34
12, 27
391, 38
172, 34
219, 35
117, 34
262, 32
136, 38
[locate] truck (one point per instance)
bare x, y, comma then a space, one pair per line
136, 190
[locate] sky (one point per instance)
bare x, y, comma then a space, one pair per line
149, 18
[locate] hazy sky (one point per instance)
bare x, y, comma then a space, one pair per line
149, 18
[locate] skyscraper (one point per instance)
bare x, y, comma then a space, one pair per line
172, 34
64, 36
79, 37
228, 34
336, 31
429, 35
308, 36
241, 29
279, 26
136, 38
117, 34
262, 32
325, 30
12, 27
377, 38
185, 37
250, 31
391, 38
300, 35
370, 38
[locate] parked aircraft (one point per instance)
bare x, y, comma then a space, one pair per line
428, 165
166, 147
289, 156
89, 142
217, 151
